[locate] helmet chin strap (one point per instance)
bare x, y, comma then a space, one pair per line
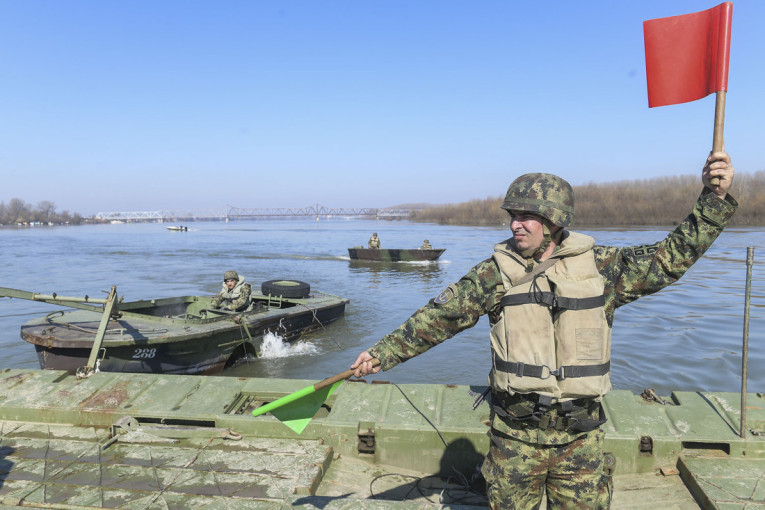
548, 237
532, 252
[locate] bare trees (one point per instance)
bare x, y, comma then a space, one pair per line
19, 212
657, 201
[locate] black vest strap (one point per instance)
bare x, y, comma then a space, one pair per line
549, 299
543, 371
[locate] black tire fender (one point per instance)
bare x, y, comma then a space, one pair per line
286, 288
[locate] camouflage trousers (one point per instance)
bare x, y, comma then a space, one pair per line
574, 475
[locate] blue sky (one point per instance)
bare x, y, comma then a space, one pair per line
146, 105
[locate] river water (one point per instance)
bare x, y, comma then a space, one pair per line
686, 337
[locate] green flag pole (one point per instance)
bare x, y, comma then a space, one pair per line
297, 409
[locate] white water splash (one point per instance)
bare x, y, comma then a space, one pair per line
274, 346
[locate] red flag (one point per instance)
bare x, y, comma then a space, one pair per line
686, 57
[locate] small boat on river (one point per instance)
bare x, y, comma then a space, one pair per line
178, 229
393, 255
176, 335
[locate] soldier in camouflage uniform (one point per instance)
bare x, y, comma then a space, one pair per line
545, 436
426, 245
235, 294
374, 242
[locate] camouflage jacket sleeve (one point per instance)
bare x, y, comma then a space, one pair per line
636, 271
215, 303
455, 309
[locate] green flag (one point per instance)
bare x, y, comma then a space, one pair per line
299, 412
297, 409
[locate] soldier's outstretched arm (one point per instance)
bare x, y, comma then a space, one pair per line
634, 271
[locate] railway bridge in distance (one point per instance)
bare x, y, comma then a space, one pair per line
239, 213
319, 211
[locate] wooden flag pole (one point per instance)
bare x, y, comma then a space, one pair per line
341, 376
718, 142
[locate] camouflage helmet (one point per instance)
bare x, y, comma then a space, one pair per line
230, 275
544, 194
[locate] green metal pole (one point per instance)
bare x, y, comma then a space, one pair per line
745, 349
98, 341
53, 297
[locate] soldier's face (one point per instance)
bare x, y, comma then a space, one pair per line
527, 230
230, 283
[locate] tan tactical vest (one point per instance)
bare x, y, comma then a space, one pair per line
552, 337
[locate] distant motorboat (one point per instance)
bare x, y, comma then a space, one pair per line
178, 229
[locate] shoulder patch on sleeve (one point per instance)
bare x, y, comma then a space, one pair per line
446, 295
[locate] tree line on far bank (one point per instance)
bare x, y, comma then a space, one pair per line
16, 212
656, 201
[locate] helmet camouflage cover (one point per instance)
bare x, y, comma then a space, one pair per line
544, 194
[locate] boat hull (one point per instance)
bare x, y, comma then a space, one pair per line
394, 255
173, 343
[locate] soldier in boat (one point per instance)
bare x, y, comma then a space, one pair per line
235, 294
374, 242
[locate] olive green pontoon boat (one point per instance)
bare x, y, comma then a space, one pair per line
178, 335
156, 441
393, 255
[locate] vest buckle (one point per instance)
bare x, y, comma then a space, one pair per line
558, 373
